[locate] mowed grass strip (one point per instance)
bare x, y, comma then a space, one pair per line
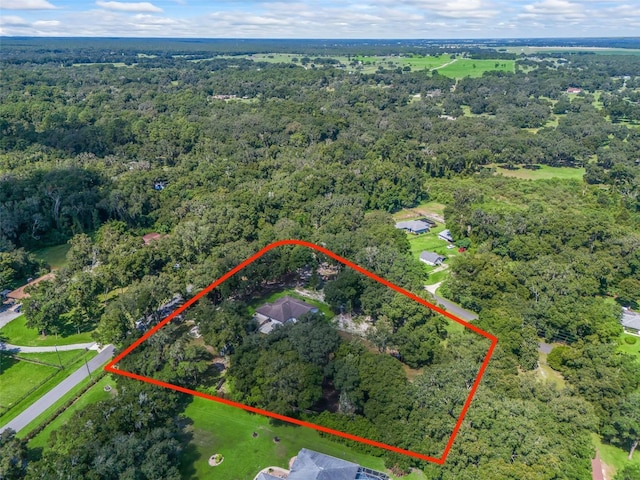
219, 428
93, 395
17, 333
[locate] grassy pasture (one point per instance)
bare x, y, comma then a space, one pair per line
543, 173
18, 377
23, 376
17, 333
219, 428
464, 67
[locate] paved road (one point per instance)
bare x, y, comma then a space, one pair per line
58, 391
61, 348
457, 310
449, 306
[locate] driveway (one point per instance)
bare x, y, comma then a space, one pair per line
7, 315
57, 392
449, 306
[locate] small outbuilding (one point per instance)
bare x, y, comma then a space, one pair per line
413, 226
446, 235
432, 258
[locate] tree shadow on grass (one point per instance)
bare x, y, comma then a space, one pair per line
190, 454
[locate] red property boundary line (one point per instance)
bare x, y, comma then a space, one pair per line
111, 366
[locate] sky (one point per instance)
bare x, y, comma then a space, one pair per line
433, 19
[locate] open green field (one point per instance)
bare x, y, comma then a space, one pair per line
55, 257
30, 375
219, 428
466, 67
93, 395
416, 62
17, 333
543, 173
18, 377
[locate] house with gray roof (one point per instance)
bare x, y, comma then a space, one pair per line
266, 476
630, 321
284, 310
413, 226
446, 235
311, 465
432, 258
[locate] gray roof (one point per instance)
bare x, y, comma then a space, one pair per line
310, 465
446, 234
631, 319
285, 308
413, 225
431, 257
266, 476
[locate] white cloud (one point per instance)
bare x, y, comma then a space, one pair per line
553, 7
329, 19
129, 6
13, 20
46, 23
27, 5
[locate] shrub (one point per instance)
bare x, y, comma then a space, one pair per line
630, 340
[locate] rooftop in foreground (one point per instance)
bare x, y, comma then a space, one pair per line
312, 465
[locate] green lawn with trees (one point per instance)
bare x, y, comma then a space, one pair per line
16, 332
218, 428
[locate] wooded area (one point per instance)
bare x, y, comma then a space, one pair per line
222, 156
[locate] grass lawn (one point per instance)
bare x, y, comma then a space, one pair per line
431, 242
543, 173
55, 257
17, 333
33, 374
464, 67
17, 378
93, 395
630, 349
219, 428
437, 277
613, 456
